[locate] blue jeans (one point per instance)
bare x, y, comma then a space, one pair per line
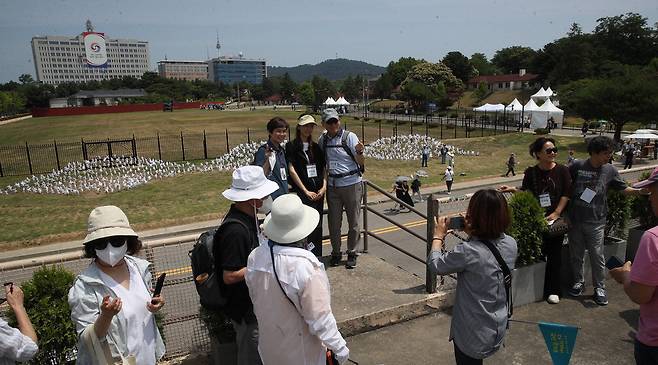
645, 355
587, 236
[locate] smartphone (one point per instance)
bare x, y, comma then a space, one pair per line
613, 263
159, 284
457, 223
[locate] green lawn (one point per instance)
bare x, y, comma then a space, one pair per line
31, 219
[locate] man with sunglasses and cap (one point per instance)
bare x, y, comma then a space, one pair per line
16, 344
641, 279
344, 166
238, 235
290, 290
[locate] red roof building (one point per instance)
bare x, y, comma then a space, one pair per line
522, 80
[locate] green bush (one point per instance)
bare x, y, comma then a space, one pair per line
46, 303
356, 118
619, 210
366, 119
594, 125
641, 208
218, 324
541, 131
528, 225
454, 115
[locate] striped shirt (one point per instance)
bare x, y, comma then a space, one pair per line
15, 346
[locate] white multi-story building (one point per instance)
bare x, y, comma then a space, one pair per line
183, 70
59, 59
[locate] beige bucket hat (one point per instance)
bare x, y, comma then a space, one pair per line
290, 220
107, 221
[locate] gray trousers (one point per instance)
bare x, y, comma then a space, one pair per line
587, 236
246, 338
348, 197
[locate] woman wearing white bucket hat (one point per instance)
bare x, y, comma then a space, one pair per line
290, 291
110, 301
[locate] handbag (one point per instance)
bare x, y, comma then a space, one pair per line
100, 352
559, 227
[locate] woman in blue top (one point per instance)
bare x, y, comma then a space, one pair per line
479, 320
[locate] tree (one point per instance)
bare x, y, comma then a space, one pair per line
25, 79
306, 93
350, 89
436, 79
511, 59
398, 70
460, 65
619, 100
627, 38
271, 86
287, 87
323, 88
383, 86
480, 62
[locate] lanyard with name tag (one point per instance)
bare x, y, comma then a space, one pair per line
587, 195
311, 170
284, 176
545, 200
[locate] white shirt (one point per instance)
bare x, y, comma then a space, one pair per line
286, 334
15, 346
449, 175
141, 330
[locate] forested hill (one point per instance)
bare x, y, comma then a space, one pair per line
335, 69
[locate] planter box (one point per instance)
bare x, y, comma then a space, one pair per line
633, 241
613, 246
223, 353
528, 284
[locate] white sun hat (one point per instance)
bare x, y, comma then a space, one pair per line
249, 182
290, 220
107, 221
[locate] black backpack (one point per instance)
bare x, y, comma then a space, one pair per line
343, 143
209, 286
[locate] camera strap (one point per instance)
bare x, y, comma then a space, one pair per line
507, 275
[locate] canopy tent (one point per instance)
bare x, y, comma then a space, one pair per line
490, 108
545, 112
530, 106
539, 95
549, 92
342, 101
645, 131
330, 101
636, 135
514, 106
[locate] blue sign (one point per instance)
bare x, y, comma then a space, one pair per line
560, 340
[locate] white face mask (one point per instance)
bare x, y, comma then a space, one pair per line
112, 255
266, 208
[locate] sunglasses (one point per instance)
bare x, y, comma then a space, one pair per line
332, 121
551, 150
114, 241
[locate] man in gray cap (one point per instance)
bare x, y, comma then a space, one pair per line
345, 164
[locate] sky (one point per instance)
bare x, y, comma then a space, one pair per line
294, 32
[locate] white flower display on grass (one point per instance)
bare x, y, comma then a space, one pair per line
409, 147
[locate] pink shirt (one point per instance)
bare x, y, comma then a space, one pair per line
645, 271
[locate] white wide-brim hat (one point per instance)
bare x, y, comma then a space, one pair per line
290, 220
107, 221
249, 182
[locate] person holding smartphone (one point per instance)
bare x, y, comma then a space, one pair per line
480, 313
550, 183
640, 280
110, 301
17, 344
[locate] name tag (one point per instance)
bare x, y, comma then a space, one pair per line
310, 246
283, 174
311, 170
545, 200
587, 195
333, 165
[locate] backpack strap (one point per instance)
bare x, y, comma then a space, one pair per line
507, 276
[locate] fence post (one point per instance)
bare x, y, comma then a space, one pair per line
205, 146
228, 149
482, 125
57, 155
456, 125
248, 136
496, 123
380, 129
29, 160
363, 132
365, 216
84, 149
441, 126
411, 126
432, 211
395, 131
2, 174
427, 125
182, 144
159, 149
109, 151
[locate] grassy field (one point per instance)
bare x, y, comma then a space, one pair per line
31, 219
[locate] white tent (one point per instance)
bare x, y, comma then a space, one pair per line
330, 101
490, 108
547, 111
636, 135
514, 106
530, 106
342, 101
549, 92
539, 95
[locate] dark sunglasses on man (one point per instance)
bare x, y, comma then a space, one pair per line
332, 121
117, 241
551, 150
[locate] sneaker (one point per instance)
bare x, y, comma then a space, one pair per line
335, 259
553, 299
599, 296
576, 290
351, 260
